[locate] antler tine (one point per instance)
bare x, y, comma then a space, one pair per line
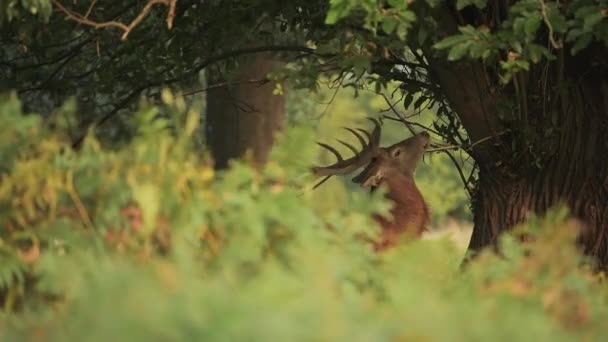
367, 134
350, 147
332, 150
375, 139
345, 166
376, 121
359, 137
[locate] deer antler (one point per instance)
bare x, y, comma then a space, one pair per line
345, 166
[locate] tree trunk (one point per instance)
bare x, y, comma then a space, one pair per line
573, 171
554, 150
503, 203
243, 114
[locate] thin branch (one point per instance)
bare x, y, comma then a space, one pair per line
467, 148
543, 12
125, 101
212, 60
113, 23
407, 123
333, 97
488, 138
443, 148
54, 60
259, 82
86, 15
171, 14
401, 118
67, 59
465, 182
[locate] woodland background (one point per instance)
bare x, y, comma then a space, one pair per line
155, 179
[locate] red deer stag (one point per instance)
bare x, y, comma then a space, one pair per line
393, 166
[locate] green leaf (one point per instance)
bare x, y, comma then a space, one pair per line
422, 35
477, 50
458, 51
389, 24
419, 102
360, 63
408, 16
332, 16
532, 25
581, 43
337, 10
519, 25
460, 4
450, 41
408, 100
557, 20
593, 19
516, 45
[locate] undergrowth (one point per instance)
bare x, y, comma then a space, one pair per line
145, 242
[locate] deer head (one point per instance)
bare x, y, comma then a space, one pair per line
380, 162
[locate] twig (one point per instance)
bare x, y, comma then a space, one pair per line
407, 122
333, 97
227, 84
113, 23
543, 12
86, 15
402, 119
488, 138
211, 60
466, 148
441, 148
465, 182
171, 14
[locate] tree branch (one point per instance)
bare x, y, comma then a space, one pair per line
113, 23
259, 82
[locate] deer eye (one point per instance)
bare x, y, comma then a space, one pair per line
396, 153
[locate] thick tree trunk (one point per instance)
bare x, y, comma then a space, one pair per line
502, 203
243, 114
554, 150
573, 172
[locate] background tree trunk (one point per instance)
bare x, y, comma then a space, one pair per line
243, 114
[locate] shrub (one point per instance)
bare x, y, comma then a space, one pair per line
145, 242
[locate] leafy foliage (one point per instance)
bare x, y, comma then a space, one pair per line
519, 40
11, 9
145, 241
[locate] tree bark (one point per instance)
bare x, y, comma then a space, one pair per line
555, 151
574, 172
243, 114
501, 203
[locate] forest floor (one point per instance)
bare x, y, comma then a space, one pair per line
456, 230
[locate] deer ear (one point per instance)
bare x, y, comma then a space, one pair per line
396, 152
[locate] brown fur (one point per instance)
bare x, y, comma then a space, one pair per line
394, 167
409, 214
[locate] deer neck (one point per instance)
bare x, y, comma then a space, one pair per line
410, 212
402, 187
